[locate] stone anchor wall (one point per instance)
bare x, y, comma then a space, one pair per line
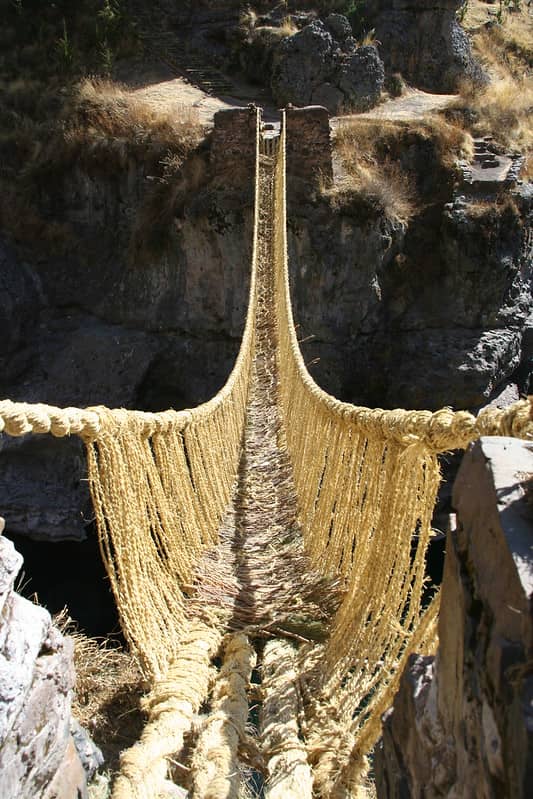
461, 726
309, 153
38, 759
233, 148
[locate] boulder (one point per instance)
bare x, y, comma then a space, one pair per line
323, 65
462, 723
424, 42
339, 27
37, 755
360, 76
301, 63
329, 97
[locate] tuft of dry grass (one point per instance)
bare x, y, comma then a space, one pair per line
103, 118
288, 27
107, 694
247, 21
502, 109
370, 156
383, 187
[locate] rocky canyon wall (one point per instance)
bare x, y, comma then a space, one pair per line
462, 722
38, 756
434, 312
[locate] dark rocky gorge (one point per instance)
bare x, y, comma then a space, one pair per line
430, 313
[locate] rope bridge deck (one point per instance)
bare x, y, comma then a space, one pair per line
272, 531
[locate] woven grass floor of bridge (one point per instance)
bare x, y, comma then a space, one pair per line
259, 584
251, 574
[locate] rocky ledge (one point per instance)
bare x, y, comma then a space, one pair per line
462, 722
38, 754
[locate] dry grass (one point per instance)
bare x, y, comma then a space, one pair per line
108, 689
505, 48
288, 27
383, 187
103, 119
368, 38
98, 125
503, 109
247, 21
250, 29
370, 153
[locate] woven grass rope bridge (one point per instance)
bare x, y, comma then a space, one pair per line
265, 549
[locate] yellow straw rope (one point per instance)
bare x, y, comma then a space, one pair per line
214, 762
288, 772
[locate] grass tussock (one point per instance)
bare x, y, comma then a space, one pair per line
503, 109
105, 120
506, 48
250, 28
371, 157
107, 693
382, 188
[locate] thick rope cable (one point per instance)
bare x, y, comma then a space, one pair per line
214, 764
289, 775
171, 705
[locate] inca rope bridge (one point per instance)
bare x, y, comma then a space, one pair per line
272, 531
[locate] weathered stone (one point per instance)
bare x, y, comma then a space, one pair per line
424, 42
70, 779
233, 147
465, 728
309, 162
329, 97
10, 563
360, 76
480, 360
338, 26
91, 757
323, 65
37, 756
301, 63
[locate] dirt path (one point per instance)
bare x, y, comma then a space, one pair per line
160, 87
414, 104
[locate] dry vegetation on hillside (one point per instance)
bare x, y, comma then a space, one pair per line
504, 107
107, 694
369, 152
99, 124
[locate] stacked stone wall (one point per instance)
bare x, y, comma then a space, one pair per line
309, 153
233, 147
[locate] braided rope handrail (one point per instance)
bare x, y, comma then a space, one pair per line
440, 431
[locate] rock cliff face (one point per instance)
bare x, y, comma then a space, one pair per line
424, 315
424, 42
38, 757
322, 64
462, 723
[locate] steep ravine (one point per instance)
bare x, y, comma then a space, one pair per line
423, 315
